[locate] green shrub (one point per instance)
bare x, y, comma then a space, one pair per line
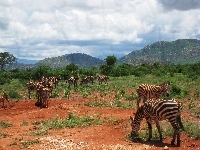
14, 94
175, 90
193, 129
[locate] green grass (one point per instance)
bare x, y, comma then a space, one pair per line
26, 144
40, 132
24, 123
111, 104
4, 124
193, 129
71, 121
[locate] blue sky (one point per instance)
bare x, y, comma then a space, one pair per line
38, 29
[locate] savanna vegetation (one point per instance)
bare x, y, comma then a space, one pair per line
123, 80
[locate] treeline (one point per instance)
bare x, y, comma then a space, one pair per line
109, 68
157, 69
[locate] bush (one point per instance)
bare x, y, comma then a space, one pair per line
14, 94
175, 90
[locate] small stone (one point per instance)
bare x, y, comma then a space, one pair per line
166, 148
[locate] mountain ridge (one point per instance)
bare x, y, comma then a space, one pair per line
181, 51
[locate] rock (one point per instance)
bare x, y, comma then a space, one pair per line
166, 148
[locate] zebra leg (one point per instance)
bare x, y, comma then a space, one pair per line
29, 94
178, 119
159, 130
3, 105
178, 138
176, 133
150, 130
138, 102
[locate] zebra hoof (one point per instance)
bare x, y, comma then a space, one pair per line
149, 139
178, 143
172, 143
37, 104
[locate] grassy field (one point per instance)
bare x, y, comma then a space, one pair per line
118, 94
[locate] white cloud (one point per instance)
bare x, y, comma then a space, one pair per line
39, 29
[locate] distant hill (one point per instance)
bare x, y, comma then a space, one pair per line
79, 59
182, 51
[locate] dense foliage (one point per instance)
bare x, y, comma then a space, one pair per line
156, 69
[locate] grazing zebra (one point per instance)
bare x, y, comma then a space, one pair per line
31, 86
148, 91
43, 94
158, 110
86, 80
55, 80
3, 98
73, 80
102, 78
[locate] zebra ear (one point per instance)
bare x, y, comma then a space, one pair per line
131, 118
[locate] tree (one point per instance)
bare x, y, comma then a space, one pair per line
6, 58
71, 67
111, 60
110, 63
41, 71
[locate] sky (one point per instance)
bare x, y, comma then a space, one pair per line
38, 29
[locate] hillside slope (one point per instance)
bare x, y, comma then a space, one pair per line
182, 51
79, 59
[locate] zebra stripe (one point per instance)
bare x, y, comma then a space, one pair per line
158, 110
147, 91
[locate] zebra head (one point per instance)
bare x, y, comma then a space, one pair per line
135, 123
165, 88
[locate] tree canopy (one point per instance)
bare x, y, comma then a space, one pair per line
6, 58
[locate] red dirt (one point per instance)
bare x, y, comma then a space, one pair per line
105, 136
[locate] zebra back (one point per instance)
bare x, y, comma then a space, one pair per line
161, 109
152, 91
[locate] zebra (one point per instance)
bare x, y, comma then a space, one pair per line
43, 94
73, 80
102, 78
31, 86
86, 80
148, 91
158, 110
3, 98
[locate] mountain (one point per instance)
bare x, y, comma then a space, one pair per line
79, 59
182, 51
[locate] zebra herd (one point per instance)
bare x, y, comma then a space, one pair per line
154, 107
44, 87
88, 79
157, 109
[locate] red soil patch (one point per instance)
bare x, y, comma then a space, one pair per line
105, 136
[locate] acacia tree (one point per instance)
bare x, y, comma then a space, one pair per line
6, 58
111, 60
110, 64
